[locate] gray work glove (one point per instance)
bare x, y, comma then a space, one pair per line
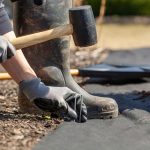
55, 99
75, 101
7, 50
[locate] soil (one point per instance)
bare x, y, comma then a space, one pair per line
20, 131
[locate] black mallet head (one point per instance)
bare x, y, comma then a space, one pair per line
84, 29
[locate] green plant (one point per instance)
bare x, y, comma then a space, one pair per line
122, 7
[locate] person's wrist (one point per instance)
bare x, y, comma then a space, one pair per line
33, 88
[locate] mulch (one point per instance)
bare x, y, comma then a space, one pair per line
20, 131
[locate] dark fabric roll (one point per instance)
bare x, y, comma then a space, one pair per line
5, 24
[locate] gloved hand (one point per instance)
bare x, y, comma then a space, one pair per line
53, 99
75, 101
7, 50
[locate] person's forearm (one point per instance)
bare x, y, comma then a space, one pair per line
17, 66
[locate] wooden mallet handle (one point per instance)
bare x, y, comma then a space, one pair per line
6, 76
82, 27
40, 37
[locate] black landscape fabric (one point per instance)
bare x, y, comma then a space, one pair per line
130, 131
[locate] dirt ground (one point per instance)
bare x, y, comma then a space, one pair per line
22, 131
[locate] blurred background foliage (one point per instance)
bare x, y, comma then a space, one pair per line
122, 7
113, 7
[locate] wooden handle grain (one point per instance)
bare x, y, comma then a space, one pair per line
40, 37
5, 76
74, 72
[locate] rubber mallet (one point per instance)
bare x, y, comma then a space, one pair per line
82, 27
